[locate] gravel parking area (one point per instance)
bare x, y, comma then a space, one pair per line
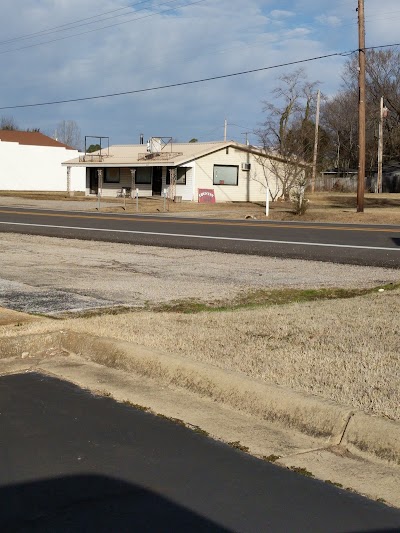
49, 275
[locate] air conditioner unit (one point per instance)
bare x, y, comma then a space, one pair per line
246, 166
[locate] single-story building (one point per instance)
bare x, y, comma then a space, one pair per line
31, 161
198, 171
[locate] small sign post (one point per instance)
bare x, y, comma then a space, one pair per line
165, 196
137, 200
99, 187
267, 202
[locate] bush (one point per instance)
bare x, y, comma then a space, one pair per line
298, 197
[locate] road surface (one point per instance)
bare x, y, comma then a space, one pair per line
71, 461
348, 244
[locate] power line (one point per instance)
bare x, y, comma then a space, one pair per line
192, 82
71, 24
104, 27
180, 84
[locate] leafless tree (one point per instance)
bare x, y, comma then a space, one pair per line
288, 132
8, 123
339, 117
339, 114
69, 133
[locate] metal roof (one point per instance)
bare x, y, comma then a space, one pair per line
174, 154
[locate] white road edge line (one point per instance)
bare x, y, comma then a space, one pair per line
211, 237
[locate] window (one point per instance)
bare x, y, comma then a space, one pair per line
180, 176
226, 175
143, 176
111, 175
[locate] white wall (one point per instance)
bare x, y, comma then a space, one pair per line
37, 168
251, 184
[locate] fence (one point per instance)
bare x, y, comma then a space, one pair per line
333, 182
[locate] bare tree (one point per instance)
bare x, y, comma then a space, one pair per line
339, 114
69, 133
339, 117
288, 133
8, 123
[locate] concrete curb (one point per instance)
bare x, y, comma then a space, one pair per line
373, 435
303, 412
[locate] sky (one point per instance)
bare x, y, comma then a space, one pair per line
53, 50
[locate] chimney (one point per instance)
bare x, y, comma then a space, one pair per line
141, 139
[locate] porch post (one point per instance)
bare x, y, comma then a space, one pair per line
99, 187
133, 177
69, 181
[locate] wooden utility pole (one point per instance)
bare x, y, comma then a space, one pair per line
361, 108
380, 148
314, 168
225, 128
383, 112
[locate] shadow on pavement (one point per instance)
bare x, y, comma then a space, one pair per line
396, 241
93, 503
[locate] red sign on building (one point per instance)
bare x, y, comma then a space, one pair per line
206, 196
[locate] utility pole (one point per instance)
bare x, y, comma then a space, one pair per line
225, 128
314, 168
246, 133
382, 114
361, 108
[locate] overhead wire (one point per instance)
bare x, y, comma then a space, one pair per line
202, 80
179, 84
134, 19
64, 27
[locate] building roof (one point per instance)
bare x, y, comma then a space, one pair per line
31, 138
173, 154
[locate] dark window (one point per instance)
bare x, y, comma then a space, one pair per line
143, 175
180, 176
111, 175
225, 175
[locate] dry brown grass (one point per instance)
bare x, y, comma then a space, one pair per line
323, 207
346, 350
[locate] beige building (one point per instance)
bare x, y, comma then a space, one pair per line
222, 171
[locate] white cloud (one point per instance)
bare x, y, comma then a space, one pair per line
328, 20
279, 14
199, 41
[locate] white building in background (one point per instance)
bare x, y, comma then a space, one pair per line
31, 161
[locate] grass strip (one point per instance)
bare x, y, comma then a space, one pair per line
266, 298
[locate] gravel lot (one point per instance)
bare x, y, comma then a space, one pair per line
49, 275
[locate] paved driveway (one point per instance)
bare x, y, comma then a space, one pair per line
71, 461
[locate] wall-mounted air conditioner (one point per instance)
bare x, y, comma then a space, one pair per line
246, 166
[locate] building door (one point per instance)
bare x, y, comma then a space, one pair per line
93, 181
157, 181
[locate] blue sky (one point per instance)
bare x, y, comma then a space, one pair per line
144, 44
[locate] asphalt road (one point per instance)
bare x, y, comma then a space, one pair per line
71, 461
349, 244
